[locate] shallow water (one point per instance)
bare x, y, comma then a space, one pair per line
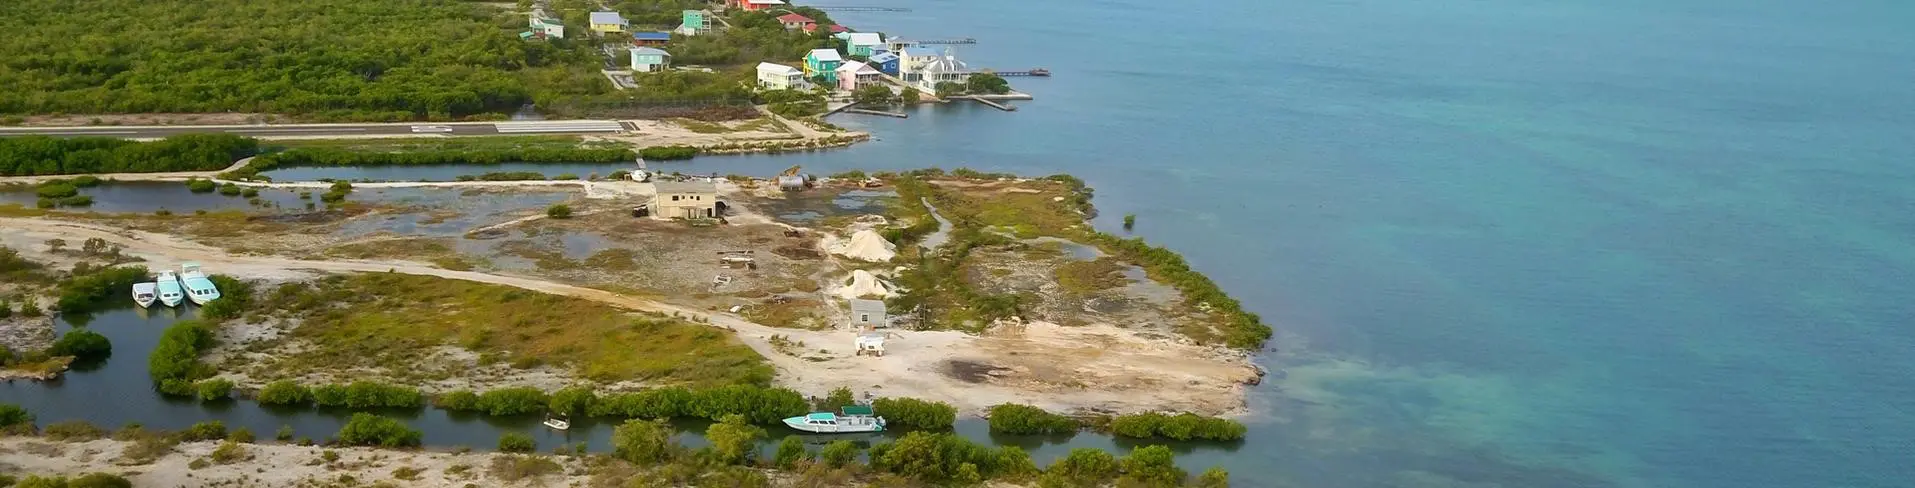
151, 196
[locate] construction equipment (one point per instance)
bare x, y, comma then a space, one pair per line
792, 171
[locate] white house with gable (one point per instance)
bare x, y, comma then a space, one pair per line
774, 76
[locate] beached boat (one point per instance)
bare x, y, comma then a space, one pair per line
854, 418
145, 293
558, 422
640, 174
169, 286
198, 289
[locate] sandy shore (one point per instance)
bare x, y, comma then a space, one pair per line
1092, 368
273, 465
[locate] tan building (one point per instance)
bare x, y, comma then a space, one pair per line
685, 200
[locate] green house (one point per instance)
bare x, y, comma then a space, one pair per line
823, 63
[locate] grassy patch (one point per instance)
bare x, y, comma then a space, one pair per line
1090, 276
786, 313
613, 259
387, 320
702, 127
412, 247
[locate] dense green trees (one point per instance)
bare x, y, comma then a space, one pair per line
642, 441
947, 457
365, 429
319, 156
878, 96
1012, 418
367, 394
987, 83
41, 155
83, 293
332, 59
574, 400
82, 344
759, 405
285, 392
517, 442
734, 440
1183, 427
790, 452
912, 412
174, 363
668, 153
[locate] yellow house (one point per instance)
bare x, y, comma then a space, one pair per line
608, 23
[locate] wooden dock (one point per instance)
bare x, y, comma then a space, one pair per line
986, 101
900, 115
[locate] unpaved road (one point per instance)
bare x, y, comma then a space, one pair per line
1061, 368
172, 176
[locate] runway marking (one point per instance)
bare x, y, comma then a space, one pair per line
68, 133
269, 131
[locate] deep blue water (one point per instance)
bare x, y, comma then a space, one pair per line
1507, 243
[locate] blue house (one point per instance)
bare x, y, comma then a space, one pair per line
886, 61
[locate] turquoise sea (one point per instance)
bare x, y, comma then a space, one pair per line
1507, 243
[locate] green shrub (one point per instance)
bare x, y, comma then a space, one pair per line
1083, 467
734, 440
1151, 466
77, 201
174, 363
85, 292
56, 190
210, 430
839, 398
790, 451
839, 453
1012, 418
86, 181
201, 185
576, 400
229, 189
1185, 426
89, 480
42, 155
284, 392
241, 434
249, 192
668, 153
74, 430
367, 394
912, 412
513, 401
457, 401
15, 418
942, 457
517, 442
365, 429
642, 441
82, 344
235, 297
1215, 477
285, 433
559, 211
215, 389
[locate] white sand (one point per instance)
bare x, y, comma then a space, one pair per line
863, 285
865, 245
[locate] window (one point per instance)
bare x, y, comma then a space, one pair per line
864, 317
674, 198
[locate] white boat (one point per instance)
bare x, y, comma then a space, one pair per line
198, 289
169, 286
558, 423
855, 418
145, 293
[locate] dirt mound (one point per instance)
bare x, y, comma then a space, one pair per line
863, 284
865, 245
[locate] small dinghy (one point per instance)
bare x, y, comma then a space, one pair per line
145, 293
199, 289
170, 291
851, 419
558, 422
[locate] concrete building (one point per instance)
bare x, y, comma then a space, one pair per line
823, 63
886, 62
773, 76
853, 75
649, 59
685, 200
867, 313
754, 5
549, 28
794, 21
693, 22
608, 23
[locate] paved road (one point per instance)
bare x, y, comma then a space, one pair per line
335, 130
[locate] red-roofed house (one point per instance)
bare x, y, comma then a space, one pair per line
755, 5
794, 21
835, 28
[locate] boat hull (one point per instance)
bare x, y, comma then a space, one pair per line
170, 292
843, 426
199, 289
145, 294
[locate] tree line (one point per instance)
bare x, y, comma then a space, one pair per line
319, 156
42, 155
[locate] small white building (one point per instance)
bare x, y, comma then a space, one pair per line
649, 59
944, 69
774, 76
550, 28
912, 60
684, 200
867, 313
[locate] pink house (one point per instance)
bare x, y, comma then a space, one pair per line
853, 75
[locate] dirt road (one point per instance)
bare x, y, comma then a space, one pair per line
172, 176
1061, 368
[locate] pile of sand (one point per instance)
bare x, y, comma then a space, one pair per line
863, 284
865, 245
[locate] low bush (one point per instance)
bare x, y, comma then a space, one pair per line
1012, 418
791, 450
576, 400
76, 201
945, 457
83, 345
759, 405
1183, 427
1151, 466
517, 442
85, 292
642, 441
915, 413
74, 430
200, 185
457, 401
559, 211
838, 453
513, 401
174, 363
668, 153
1083, 467
365, 429
367, 394
285, 392
210, 430
214, 389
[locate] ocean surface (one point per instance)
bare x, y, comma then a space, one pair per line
1622, 243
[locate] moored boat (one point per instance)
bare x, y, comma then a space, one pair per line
169, 289
558, 422
850, 419
199, 289
145, 293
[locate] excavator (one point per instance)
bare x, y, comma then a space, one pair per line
792, 171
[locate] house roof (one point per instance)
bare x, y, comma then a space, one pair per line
607, 18
652, 36
686, 187
856, 67
947, 64
884, 56
857, 410
824, 55
650, 50
839, 28
790, 18
765, 2
865, 38
914, 52
780, 69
